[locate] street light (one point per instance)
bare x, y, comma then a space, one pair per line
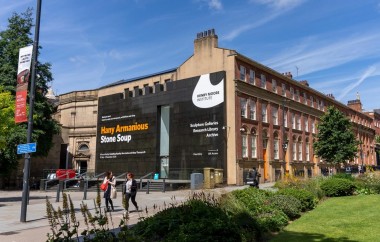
284, 141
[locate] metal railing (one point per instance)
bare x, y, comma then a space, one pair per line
145, 176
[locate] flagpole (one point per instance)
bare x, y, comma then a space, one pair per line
25, 189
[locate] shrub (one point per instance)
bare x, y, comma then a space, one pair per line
308, 199
193, 221
336, 187
344, 176
368, 183
257, 204
312, 185
291, 206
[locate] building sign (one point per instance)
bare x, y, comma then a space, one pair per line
24, 60
181, 127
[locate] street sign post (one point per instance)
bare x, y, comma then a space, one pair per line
26, 148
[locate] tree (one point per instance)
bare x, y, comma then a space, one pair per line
16, 36
335, 141
377, 139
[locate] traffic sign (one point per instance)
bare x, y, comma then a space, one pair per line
26, 148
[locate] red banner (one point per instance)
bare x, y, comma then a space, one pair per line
24, 60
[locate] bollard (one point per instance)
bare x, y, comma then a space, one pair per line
58, 192
85, 190
147, 189
163, 189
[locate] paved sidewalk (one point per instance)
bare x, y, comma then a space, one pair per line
37, 227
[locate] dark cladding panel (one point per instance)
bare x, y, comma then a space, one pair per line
128, 129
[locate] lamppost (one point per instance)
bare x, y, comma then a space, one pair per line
361, 156
284, 141
25, 189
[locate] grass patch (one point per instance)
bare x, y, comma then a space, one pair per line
353, 218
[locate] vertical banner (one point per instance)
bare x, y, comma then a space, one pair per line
23, 73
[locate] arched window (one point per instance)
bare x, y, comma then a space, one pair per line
294, 148
265, 139
299, 149
244, 142
307, 150
253, 143
83, 147
276, 142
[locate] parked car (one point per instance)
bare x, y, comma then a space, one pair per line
51, 176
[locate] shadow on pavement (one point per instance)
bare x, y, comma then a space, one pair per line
306, 237
18, 199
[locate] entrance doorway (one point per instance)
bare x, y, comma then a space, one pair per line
164, 112
82, 166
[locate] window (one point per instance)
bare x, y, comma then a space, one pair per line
275, 115
263, 81
322, 105
254, 146
297, 95
252, 110
274, 86
283, 89
276, 148
299, 150
294, 150
304, 98
286, 118
293, 121
298, 122
264, 112
318, 105
244, 147
292, 93
243, 106
307, 151
252, 77
306, 124
265, 142
312, 101
83, 147
313, 127
242, 73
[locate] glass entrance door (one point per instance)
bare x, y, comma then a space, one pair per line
164, 141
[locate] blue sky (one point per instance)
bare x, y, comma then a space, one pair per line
335, 45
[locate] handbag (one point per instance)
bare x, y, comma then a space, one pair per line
104, 186
113, 192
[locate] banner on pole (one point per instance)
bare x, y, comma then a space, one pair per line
23, 73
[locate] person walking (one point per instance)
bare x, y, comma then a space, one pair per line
130, 191
111, 180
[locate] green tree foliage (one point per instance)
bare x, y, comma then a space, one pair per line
335, 141
16, 36
377, 139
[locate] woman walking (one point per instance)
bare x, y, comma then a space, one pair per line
130, 191
107, 193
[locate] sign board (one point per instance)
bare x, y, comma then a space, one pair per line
26, 148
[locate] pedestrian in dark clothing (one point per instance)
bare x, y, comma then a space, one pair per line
130, 191
254, 177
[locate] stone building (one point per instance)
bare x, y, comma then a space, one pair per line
269, 117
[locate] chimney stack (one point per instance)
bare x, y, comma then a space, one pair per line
288, 74
304, 82
205, 40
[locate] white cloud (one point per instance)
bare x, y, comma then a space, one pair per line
215, 4
212, 4
278, 8
280, 4
368, 73
316, 54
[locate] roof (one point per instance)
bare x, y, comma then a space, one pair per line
139, 78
